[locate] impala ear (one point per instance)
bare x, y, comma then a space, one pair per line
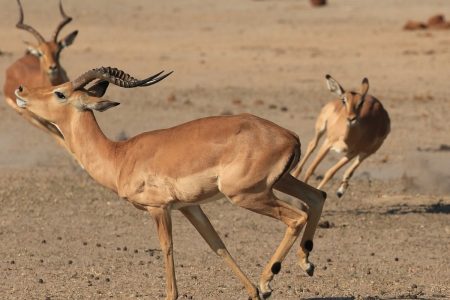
334, 86
68, 40
364, 86
101, 105
32, 49
98, 89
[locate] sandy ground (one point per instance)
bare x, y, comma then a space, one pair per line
64, 237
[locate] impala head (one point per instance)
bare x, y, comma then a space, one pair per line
48, 52
55, 103
351, 100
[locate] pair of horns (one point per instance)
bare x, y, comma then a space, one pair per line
66, 20
116, 77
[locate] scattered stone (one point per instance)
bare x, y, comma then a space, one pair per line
396, 259
317, 3
41, 280
98, 245
44, 242
325, 224
171, 99
414, 25
70, 262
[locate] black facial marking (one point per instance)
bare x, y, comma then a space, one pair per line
276, 267
309, 245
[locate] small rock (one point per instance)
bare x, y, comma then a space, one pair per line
414, 25
41, 280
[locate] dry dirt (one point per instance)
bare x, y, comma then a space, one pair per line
64, 237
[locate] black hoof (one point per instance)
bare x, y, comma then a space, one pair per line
276, 267
310, 270
339, 194
266, 295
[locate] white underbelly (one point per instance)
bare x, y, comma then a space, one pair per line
181, 204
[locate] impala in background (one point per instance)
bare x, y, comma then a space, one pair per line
39, 67
355, 124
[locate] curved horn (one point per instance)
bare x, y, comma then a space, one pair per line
63, 23
28, 28
116, 77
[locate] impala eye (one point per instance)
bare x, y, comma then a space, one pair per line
60, 95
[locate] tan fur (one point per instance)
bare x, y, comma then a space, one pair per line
242, 157
33, 71
352, 127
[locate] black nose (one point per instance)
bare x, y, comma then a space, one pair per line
20, 88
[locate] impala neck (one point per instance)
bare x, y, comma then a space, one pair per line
94, 151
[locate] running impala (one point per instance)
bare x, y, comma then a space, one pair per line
356, 124
39, 67
243, 158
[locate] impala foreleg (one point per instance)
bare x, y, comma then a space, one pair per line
164, 226
315, 199
294, 218
349, 173
201, 222
311, 147
331, 171
322, 152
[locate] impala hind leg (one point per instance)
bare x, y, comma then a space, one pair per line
201, 222
294, 218
349, 173
315, 199
164, 226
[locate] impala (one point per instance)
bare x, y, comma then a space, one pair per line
355, 124
240, 157
39, 67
